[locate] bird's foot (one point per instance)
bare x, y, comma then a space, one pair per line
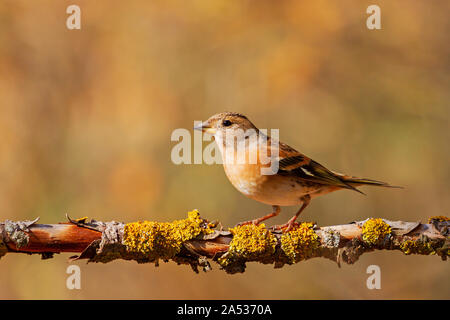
287, 226
254, 222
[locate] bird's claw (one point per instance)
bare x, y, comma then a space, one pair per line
254, 222
285, 227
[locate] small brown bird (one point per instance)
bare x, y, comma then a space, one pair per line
297, 180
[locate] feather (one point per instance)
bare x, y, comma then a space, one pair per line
311, 170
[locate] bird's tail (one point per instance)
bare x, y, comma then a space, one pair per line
369, 182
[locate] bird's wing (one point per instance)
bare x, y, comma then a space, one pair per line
293, 163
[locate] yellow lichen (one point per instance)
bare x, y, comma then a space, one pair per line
163, 240
300, 243
438, 218
375, 230
418, 247
250, 242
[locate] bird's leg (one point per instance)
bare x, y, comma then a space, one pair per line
288, 225
275, 211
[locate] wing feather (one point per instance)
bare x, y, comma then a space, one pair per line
298, 165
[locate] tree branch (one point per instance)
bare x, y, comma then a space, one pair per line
195, 241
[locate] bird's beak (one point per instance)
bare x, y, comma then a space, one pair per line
205, 127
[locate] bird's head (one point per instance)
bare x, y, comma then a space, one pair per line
221, 122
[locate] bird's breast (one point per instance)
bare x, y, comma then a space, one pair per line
269, 189
246, 178
249, 179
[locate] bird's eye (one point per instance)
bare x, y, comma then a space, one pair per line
226, 123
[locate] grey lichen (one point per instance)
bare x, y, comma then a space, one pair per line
110, 246
331, 238
17, 231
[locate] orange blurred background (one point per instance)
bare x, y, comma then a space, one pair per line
86, 118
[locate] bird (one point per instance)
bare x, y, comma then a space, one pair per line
297, 180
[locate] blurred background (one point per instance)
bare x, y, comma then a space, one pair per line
86, 118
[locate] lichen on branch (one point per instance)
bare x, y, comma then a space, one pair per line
163, 240
300, 243
375, 231
250, 243
195, 241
